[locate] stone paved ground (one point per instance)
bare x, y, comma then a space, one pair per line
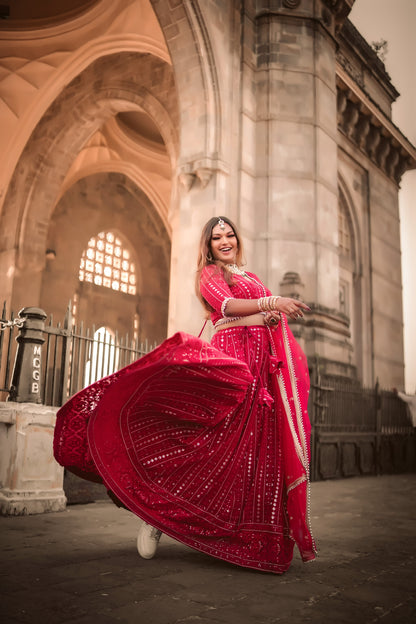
81, 566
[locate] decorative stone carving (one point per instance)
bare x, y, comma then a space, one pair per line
341, 104
357, 122
391, 161
340, 9
373, 139
326, 17
354, 72
361, 131
350, 118
202, 169
186, 180
291, 4
382, 151
204, 175
401, 167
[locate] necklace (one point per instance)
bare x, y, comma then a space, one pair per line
233, 268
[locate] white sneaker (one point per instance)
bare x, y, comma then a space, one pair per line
148, 540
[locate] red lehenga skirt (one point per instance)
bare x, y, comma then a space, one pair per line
212, 449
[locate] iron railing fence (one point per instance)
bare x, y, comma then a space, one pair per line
347, 406
76, 356
359, 431
72, 357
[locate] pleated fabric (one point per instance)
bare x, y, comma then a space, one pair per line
207, 442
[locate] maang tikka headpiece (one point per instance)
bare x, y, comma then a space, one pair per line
221, 224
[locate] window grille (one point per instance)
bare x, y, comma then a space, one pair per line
107, 262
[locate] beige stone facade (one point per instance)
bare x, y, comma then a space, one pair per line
143, 118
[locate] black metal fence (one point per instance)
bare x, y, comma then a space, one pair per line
63, 359
359, 431
76, 356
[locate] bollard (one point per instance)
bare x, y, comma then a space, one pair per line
26, 382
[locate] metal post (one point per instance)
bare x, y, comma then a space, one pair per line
312, 411
377, 407
66, 355
26, 377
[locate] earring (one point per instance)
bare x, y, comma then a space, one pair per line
209, 257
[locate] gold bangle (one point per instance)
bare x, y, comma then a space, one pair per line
267, 304
263, 304
275, 300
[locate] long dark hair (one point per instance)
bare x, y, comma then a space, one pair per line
206, 257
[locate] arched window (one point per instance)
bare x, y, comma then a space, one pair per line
346, 247
344, 231
107, 262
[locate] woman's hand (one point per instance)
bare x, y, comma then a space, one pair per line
291, 307
272, 318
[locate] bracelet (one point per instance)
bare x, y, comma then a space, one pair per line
267, 304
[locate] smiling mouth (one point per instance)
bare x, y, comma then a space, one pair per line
225, 249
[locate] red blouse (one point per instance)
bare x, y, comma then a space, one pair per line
217, 292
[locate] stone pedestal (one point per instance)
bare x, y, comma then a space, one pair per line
30, 479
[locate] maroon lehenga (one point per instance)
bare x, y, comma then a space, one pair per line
207, 442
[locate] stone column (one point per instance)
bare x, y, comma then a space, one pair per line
296, 199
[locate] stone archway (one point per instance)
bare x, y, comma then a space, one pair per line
194, 119
109, 85
108, 202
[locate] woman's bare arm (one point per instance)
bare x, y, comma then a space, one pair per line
244, 307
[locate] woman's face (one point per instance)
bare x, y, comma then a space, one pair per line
224, 244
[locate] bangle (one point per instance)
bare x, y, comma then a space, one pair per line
263, 304
276, 297
267, 304
260, 304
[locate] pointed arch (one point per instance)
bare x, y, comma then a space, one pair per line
109, 85
346, 207
354, 280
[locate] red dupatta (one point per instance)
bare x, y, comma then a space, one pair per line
291, 380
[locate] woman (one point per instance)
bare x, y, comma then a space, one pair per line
208, 442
